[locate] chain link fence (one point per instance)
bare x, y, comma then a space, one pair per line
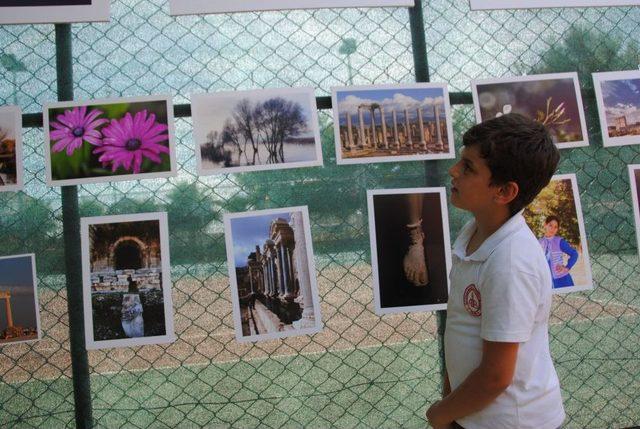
362, 370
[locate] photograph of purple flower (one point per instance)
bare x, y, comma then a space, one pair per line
109, 140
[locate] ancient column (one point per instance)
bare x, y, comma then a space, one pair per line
308, 319
349, 132
7, 305
407, 128
384, 127
436, 111
374, 143
395, 128
423, 143
362, 142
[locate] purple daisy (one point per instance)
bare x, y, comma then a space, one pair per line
74, 127
127, 141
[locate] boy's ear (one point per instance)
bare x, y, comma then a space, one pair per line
507, 193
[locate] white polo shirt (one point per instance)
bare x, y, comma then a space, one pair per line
502, 293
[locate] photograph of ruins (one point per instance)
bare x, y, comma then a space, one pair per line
19, 311
267, 129
618, 96
272, 274
10, 148
127, 286
385, 123
554, 100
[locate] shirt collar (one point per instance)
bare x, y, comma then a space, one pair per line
489, 245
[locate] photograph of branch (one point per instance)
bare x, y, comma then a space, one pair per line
618, 97
387, 123
533, 4
19, 313
272, 274
53, 11
266, 129
410, 249
634, 180
10, 148
555, 217
193, 7
109, 140
126, 280
551, 99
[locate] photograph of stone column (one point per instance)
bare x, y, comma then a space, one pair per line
410, 249
553, 99
266, 129
618, 97
272, 274
53, 11
387, 123
126, 280
10, 148
19, 311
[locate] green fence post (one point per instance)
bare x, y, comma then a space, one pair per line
432, 168
72, 252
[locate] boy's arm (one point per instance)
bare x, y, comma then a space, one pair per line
480, 388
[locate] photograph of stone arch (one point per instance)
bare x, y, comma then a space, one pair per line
10, 148
126, 280
388, 123
266, 129
19, 310
53, 11
552, 99
272, 274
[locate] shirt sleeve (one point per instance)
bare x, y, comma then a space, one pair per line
510, 301
573, 253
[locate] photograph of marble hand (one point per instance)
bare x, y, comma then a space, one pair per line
414, 261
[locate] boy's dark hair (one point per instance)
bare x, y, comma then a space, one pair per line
516, 149
551, 218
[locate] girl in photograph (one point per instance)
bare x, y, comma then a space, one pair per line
554, 248
132, 321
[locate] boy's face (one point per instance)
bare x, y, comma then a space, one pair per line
470, 182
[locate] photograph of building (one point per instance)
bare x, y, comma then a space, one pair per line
618, 96
272, 274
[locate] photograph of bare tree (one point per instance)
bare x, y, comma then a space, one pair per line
256, 130
551, 99
386, 123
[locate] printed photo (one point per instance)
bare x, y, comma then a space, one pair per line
410, 249
194, 7
19, 311
555, 217
10, 148
387, 123
272, 274
126, 280
533, 4
109, 140
551, 99
618, 96
267, 129
53, 11
634, 180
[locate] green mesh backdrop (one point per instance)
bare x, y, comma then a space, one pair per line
362, 370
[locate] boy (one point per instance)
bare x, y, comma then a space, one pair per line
499, 373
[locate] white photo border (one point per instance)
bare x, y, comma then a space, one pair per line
522, 4
198, 7
97, 11
367, 160
19, 185
120, 177
169, 336
536, 77
233, 281
632, 168
198, 99
371, 193
598, 80
34, 276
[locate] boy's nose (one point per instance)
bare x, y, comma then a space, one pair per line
452, 170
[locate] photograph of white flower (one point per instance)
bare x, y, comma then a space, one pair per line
196, 7
388, 123
126, 280
257, 130
618, 96
535, 4
554, 100
10, 148
19, 310
109, 140
53, 11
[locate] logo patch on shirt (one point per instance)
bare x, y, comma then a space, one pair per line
472, 302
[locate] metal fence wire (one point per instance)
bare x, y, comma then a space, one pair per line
362, 370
